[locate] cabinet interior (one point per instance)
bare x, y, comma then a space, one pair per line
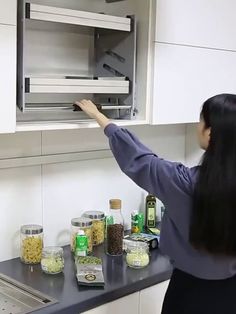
70, 50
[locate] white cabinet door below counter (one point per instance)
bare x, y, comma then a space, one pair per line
151, 299
128, 304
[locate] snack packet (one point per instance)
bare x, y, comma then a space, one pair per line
89, 271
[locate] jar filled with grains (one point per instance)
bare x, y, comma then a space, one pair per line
115, 229
52, 261
31, 244
98, 219
84, 224
137, 254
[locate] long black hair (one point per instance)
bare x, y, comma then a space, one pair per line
213, 225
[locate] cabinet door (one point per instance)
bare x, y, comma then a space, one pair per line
151, 299
8, 12
202, 23
185, 77
129, 304
7, 78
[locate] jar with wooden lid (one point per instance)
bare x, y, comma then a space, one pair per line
115, 229
98, 218
84, 224
31, 244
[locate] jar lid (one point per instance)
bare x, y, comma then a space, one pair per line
115, 204
52, 250
31, 229
81, 222
137, 245
95, 214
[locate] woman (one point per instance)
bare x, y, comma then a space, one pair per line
199, 225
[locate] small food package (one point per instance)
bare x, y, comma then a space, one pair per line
89, 271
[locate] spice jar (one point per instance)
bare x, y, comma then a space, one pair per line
137, 254
84, 224
115, 229
52, 261
31, 244
98, 219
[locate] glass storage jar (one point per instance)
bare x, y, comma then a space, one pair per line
98, 219
52, 261
31, 244
115, 229
137, 254
84, 224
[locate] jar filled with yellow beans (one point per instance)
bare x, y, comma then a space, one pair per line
31, 244
98, 219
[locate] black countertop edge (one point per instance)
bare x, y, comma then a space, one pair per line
120, 281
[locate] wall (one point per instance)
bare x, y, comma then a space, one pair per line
52, 194
193, 153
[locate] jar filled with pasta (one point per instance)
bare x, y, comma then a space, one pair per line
31, 244
98, 219
84, 224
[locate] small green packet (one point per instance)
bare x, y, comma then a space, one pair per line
89, 271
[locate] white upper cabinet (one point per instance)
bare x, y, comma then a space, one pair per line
8, 12
185, 77
210, 23
7, 78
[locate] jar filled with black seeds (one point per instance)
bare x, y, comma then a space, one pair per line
115, 229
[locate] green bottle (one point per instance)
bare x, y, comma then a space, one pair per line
81, 244
150, 211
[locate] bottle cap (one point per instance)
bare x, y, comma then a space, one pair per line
80, 232
115, 204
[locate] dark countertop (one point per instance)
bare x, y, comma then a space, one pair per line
120, 280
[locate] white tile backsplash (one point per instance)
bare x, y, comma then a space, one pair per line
20, 203
53, 194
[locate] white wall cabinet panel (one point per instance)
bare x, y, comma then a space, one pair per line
129, 304
204, 23
7, 78
185, 77
151, 299
8, 10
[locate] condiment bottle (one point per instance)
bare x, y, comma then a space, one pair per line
115, 229
81, 246
150, 211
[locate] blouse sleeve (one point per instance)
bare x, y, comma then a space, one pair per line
159, 177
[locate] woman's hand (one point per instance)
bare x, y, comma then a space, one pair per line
88, 107
92, 111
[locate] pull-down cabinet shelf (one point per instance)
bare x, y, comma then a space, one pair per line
61, 15
67, 54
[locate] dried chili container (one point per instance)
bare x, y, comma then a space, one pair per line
31, 244
115, 229
84, 224
98, 219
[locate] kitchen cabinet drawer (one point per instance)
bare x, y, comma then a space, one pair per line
197, 22
185, 77
151, 299
7, 78
129, 304
8, 12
